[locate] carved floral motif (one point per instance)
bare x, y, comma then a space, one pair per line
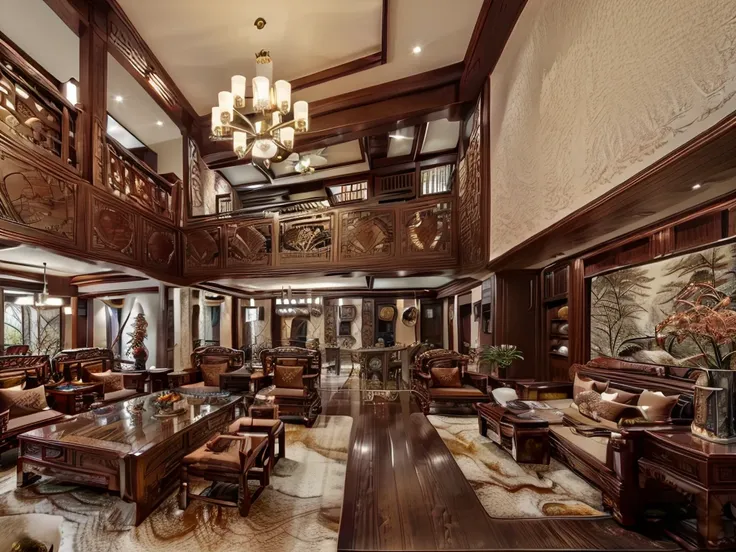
366, 234
202, 248
248, 244
112, 229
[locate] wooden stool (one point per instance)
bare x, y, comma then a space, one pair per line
230, 459
275, 429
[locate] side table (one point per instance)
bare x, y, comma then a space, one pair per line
543, 390
521, 434
699, 469
73, 399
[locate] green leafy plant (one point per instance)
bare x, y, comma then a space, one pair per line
501, 355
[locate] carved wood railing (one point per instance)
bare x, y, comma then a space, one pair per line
131, 179
33, 109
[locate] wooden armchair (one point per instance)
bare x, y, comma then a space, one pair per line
207, 363
97, 365
441, 376
17, 350
293, 373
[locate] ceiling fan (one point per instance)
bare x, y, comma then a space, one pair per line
304, 163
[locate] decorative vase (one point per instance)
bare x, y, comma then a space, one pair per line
714, 406
140, 355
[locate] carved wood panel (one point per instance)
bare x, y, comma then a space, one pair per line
202, 248
306, 239
427, 230
113, 229
330, 323
249, 244
196, 198
470, 198
367, 332
366, 234
159, 246
35, 198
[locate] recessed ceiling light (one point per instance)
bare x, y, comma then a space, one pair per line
417, 50
160, 123
697, 186
118, 99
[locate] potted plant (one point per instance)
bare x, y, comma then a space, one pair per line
708, 322
500, 357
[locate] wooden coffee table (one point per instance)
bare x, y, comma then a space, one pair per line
138, 457
65, 398
521, 434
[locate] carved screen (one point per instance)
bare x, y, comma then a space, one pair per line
366, 234
427, 229
248, 244
36, 199
470, 198
202, 248
159, 245
113, 230
306, 239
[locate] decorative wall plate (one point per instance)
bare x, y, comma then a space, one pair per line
387, 313
409, 316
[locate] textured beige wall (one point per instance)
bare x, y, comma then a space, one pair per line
589, 92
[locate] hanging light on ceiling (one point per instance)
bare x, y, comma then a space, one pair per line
265, 134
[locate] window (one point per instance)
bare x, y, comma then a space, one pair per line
40, 329
348, 193
437, 180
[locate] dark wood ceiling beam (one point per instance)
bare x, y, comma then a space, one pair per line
74, 13
492, 30
457, 287
103, 278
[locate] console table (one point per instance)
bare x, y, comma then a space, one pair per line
522, 434
699, 469
63, 398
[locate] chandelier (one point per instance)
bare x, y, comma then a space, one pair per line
265, 133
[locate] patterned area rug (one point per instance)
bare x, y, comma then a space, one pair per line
510, 490
300, 511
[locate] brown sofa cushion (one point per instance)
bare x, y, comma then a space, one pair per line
586, 384
23, 402
94, 367
624, 396
211, 373
591, 405
288, 377
247, 423
464, 392
21, 422
287, 393
594, 446
446, 377
227, 459
13, 381
119, 395
576, 417
656, 407
111, 381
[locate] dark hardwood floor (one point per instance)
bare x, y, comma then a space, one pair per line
404, 491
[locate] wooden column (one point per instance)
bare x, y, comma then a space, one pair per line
235, 323
93, 95
161, 326
578, 314
2, 326
75, 322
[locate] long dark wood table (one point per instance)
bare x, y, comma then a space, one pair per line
137, 457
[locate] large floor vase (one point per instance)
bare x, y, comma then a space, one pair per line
714, 406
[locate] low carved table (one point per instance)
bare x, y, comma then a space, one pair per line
522, 434
135, 456
72, 399
702, 471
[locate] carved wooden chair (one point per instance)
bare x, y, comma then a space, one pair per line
97, 365
207, 363
230, 459
17, 350
293, 375
441, 376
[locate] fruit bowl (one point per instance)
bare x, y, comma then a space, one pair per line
165, 402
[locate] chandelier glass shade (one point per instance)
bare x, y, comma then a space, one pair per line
265, 133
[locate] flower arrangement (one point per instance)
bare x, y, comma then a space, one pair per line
136, 344
707, 321
501, 356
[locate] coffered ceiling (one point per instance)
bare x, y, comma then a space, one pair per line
202, 44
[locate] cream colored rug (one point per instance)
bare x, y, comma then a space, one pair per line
300, 511
510, 490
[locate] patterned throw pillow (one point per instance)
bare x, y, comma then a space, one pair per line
587, 384
591, 405
111, 381
624, 397
23, 402
211, 373
446, 377
288, 377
